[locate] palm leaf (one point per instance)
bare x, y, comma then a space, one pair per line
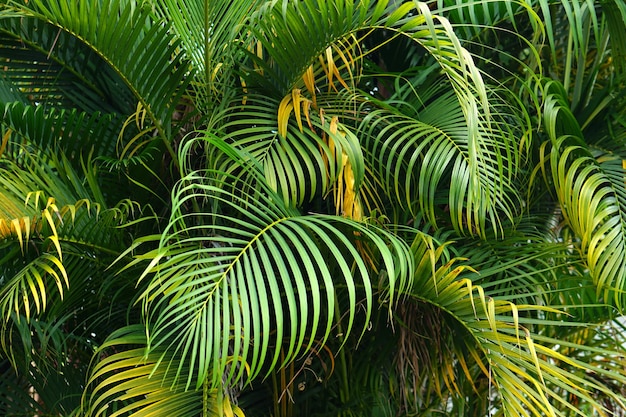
299, 164
125, 384
76, 133
56, 245
9, 92
616, 21
116, 30
42, 215
281, 268
14, 395
518, 358
211, 33
591, 193
526, 266
291, 70
472, 17
54, 360
55, 69
418, 155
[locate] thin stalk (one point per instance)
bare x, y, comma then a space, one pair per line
342, 361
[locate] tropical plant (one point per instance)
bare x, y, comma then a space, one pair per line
312, 207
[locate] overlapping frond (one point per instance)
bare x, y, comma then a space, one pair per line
419, 156
43, 215
332, 58
301, 163
211, 33
126, 383
511, 350
282, 268
75, 133
53, 68
294, 110
116, 30
472, 17
525, 266
318, 37
591, 191
14, 397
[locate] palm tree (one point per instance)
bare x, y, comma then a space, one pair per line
312, 208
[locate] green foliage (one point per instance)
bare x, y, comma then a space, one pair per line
312, 207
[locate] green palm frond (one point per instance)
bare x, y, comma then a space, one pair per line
583, 64
27, 291
211, 33
116, 30
55, 361
204, 201
9, 92
41, 252
46, 210
591, 192
128, 382
75, 133
55, 246
548, 18
508, 346
472, 17
281, 267
580, 16
53, 68
616, 22
14, 396
302, 163
519, 268
485, 138
309, 45
418, 155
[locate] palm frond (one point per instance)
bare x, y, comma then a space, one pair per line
53, 68
55, 362
75, 133
9, 92
301, 163
128, 382
43, 251
616, 22
42, 215
592, 197
527, 264
116, 30
327, 43
14, 395
518, 358
224, 244
211, 33
477, 169
421, 152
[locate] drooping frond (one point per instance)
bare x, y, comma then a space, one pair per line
519, 268
334, 60
116, 30
55, 69
42, 215
590, 189
418, 155
75, 133
508, 345
300, 163
125, 383
225, 242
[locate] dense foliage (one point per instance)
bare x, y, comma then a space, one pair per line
306, 207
